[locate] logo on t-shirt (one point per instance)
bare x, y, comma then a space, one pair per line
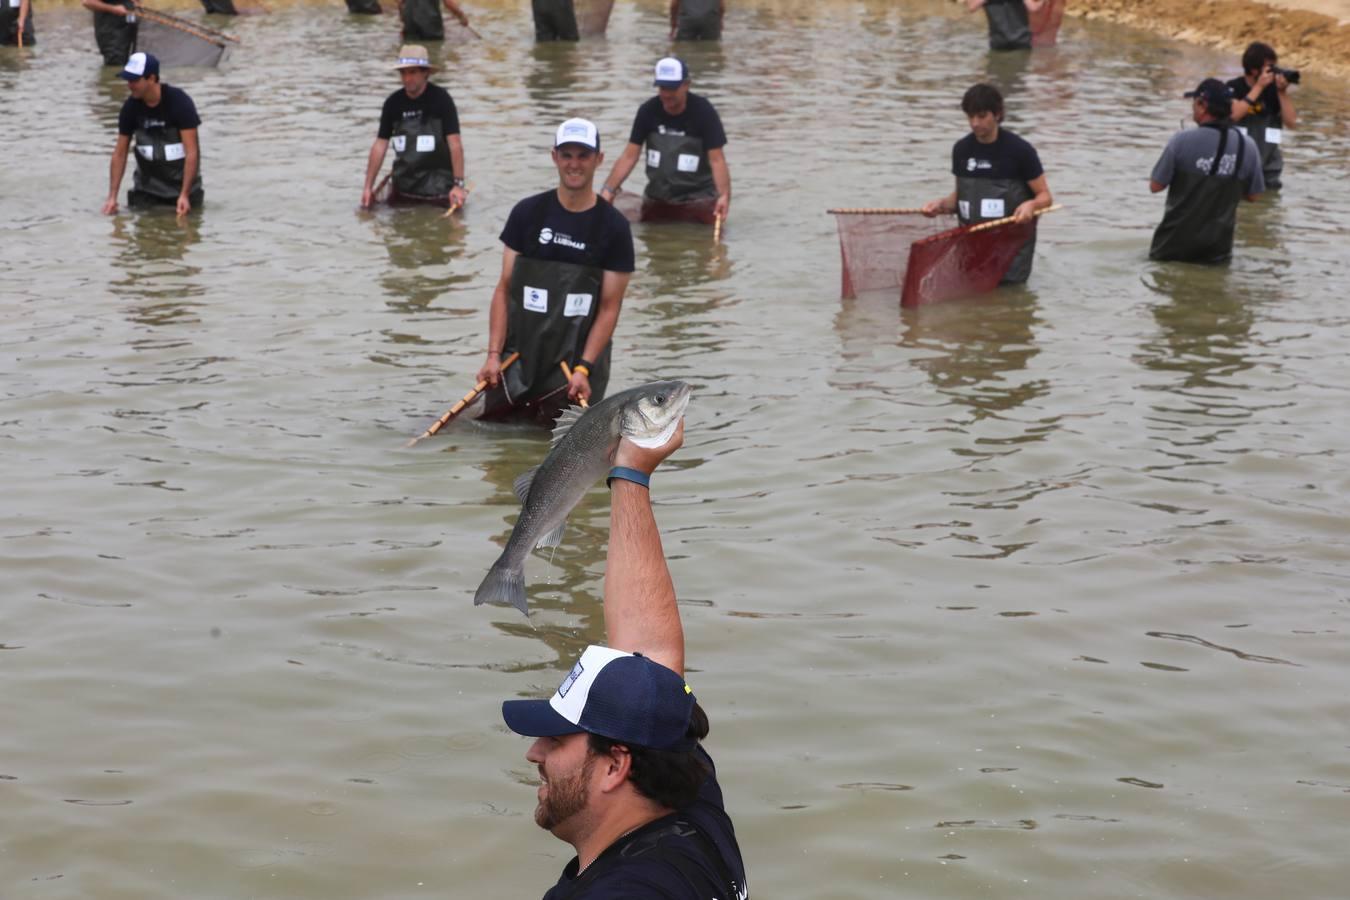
549, 236
664, 129
972, 164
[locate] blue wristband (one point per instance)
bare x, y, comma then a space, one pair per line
626, 474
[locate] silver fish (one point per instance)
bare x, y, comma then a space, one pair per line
583, 448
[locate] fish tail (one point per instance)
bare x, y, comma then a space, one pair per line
503, 585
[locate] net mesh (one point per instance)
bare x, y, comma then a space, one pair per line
178, 42
961, 262
592, 16
1045, 23
874, 247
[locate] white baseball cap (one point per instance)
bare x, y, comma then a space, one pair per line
578, 131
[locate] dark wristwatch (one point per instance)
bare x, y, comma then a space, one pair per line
458, 182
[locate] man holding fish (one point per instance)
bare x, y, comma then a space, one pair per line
624, 777
565, 267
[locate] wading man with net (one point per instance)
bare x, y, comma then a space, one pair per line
1206, 172
114, 29
565, 267
998, 175
1009, 21
16, 23
162, 121
687, 174
624, 777
422, 19
421, 123
1263, 107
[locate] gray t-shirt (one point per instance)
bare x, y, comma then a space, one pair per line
1193, 150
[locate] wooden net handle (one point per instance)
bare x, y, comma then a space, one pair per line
875, 211
458, 407
567, 371
985, 226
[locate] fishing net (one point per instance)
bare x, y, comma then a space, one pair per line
179, 42
1045, 23
592, 16
874, 246
962, 261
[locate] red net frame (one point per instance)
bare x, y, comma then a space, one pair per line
874, 246
962, 261
1045, 23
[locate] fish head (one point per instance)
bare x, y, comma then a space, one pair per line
653, 411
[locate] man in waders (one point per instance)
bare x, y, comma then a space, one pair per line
623, 776
697, 20
554, 20
163, 121
1009, 24
114, 29
567, 260
1264, 108
422, 18
998, 174
16, 23
1205, 172
686, 165
421, 123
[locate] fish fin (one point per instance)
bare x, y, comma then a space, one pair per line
503, 585
565, 422
523, 482
554, 537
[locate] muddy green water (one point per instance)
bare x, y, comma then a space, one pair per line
1037, 595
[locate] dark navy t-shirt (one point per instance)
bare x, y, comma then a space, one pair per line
433, 103
175, 110
1009, 156
566, 236
699, 120
641, 866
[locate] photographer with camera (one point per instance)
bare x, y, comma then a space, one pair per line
1263, 107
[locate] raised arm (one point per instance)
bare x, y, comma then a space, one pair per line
641, 615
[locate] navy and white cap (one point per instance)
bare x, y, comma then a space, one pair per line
625, 697
139, 65
671, 72
1213, 91
578, 131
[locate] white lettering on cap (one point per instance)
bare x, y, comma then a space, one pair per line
571, 703
669, 70
136, 64
576, 131
414, 61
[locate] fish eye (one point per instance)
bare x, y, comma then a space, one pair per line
660, 399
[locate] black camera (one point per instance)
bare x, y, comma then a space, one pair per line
1290, 75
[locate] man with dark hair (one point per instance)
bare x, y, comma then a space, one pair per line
998, 174
1263, 105
114, 29
566, 260
1009, 24
697, 20
624, 777
1205, 171
686, 163
554, 20
163, 120
422, 124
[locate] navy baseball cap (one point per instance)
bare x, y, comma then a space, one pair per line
139, 65
671, 72
1212, 91
625, 697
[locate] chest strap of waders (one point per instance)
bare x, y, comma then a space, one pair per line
592, 251
644, 841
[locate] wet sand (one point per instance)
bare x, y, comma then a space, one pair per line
1308, 34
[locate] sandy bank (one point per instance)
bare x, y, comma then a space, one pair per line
1308, 34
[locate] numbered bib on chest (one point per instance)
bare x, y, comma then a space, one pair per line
577, 305
174, 152
654, 158
536, 299
1274, 136
426, 143
687, 162
992, 208
399, 142
15, 4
